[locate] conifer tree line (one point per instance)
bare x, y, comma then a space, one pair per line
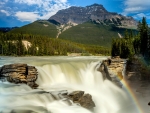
13, 44
133, 43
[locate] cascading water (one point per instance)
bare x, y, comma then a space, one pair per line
57, 74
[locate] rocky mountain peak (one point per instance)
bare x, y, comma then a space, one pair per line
96, 6
96, 12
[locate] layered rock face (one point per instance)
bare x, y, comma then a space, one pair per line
19, 73
95, 12
113, 70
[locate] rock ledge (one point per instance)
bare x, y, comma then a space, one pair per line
19, 73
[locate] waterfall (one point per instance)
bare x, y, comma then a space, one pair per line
58, 74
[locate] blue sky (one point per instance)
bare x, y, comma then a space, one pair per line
20, 12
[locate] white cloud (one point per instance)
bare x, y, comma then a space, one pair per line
141, 15
40, 3
27, 16
45, 8
136, 6
30, 2
53, 10
32, 10
5, 12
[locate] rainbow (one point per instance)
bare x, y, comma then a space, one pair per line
130, 92
133, 97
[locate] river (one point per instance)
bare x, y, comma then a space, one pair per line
56, 74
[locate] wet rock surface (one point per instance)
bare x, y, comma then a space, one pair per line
113, 69
76, 95
19, 73
85, 100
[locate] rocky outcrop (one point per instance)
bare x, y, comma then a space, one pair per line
104, 70
85, 100
19, 73
76, 95
95, 12
113, 69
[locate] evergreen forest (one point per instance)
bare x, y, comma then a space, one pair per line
26, 44
133, 44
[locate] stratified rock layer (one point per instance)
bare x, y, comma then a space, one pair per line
19, 73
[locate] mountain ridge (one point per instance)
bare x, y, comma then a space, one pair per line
95, 12
90, 31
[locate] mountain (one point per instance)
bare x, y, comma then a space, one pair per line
92, 33
91, 25
96, 12
39, 27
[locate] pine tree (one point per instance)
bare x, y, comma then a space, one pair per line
20, 46
126, 34
143, 29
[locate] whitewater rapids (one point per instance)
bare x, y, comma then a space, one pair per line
57, 74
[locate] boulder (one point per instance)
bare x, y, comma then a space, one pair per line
32, 74
32, 85
85, 100
19, 73
76, 95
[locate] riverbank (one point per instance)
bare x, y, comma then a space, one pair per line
138, 78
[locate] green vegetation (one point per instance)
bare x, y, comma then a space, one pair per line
89, 33
133, 44
40, 27
122, 48
92, 33
25, 44
144, 38
136, 48
87, 38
